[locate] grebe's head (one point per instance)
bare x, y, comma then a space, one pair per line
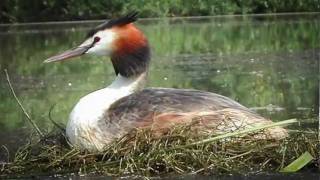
119, 39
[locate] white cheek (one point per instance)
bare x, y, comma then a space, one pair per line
104, 46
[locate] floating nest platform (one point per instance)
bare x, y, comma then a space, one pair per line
177, 152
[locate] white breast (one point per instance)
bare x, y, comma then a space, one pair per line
86, 127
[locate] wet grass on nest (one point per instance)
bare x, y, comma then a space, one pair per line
143, 153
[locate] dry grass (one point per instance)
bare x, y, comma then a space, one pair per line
142, 153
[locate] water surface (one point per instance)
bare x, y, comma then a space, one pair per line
267, 63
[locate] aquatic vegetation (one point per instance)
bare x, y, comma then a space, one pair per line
299, 163
48, 10
143, 153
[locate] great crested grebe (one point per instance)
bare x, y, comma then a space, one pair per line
111, 112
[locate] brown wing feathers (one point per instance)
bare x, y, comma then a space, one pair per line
161, 109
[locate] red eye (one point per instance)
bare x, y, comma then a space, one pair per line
96, 39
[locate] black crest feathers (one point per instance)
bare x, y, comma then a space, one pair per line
129, 18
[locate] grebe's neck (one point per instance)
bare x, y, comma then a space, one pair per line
128, 84
131, 62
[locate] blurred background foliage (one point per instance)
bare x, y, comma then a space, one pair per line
255, 60
12, 11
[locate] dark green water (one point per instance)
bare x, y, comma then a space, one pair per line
268, 63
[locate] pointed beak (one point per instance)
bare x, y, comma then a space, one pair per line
78, 51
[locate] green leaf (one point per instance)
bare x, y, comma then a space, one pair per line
299, 163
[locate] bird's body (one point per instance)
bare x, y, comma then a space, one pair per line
109, 113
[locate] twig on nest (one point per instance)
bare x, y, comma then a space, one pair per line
22, 108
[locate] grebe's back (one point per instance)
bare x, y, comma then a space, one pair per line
163, 108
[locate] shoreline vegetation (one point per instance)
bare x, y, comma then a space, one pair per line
20, 11
179, 151
144, 19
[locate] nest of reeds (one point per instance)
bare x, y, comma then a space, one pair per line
178, 151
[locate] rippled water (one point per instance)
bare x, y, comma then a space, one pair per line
267, 63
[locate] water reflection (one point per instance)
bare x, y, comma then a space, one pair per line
268, 63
